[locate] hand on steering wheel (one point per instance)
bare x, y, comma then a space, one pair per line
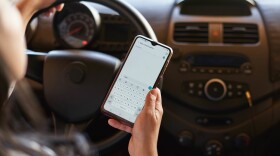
54, 9
28, 7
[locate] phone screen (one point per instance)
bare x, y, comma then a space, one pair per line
138, 75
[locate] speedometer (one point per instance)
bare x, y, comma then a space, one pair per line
76, 25
77, 30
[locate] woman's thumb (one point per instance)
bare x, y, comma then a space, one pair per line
150, 101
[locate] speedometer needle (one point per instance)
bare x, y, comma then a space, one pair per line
73, 31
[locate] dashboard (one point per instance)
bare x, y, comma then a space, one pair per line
79, 26
220, 89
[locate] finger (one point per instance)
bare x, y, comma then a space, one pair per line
48, 14
150, 100
158, 105
116, 124
60, 7
52, 10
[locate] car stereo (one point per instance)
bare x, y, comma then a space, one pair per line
216, 64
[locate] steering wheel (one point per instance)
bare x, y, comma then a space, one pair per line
76, 81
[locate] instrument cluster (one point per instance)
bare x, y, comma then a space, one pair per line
80, 25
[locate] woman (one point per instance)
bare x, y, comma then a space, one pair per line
144, 134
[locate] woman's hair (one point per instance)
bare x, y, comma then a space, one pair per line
3, 87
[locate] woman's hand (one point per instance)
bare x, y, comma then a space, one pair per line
28, 7
146, 127
54, 9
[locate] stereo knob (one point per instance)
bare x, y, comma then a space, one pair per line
242, 140
214, 148
215, 89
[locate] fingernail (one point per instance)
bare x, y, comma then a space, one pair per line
153, 97
158, 89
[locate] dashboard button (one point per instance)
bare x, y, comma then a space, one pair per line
247, 68
191, 92
227, 137
239, 87
202, 70
229, 86
200, 85
236, 71
230, 94
194, 70
220, 71
200, 93
211, 71
191, 84
239, 93
228, 71
184, 67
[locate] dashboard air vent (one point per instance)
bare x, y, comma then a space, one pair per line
191, 32
241, 33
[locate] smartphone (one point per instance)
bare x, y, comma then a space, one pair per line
140, 72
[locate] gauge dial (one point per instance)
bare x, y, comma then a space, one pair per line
77, 30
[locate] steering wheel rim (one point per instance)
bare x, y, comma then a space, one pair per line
141, 24
122, 7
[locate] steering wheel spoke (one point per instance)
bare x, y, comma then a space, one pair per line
35, 65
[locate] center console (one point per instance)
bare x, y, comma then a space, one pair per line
220, 67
